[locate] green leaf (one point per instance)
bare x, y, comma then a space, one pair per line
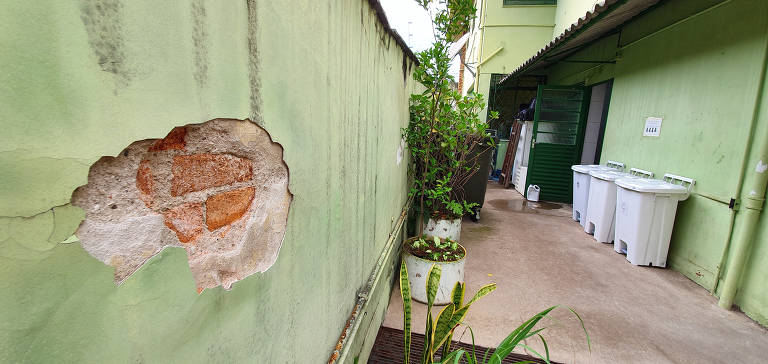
589, 342
546, 347
433, 282
443, 324
454, 357
457, 294
519, 334
484, 290
405, 293
526, 347
449, 325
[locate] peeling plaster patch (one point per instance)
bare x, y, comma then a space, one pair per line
761, 167
70, 240
218, 189
66, 218
400, 151
38, 233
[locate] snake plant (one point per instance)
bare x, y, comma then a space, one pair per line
438, 332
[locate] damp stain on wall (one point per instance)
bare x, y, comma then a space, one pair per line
199, 40
253, 62
219, 190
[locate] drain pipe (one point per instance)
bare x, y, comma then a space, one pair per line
751, 204
751, 207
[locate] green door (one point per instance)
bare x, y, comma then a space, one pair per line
558, 135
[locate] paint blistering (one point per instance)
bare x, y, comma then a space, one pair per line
218, 189
761, 167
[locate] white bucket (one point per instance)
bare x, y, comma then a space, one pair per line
533, 193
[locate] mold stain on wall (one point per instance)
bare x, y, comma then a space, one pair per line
218, 189
253, 62
199, 39
103, 24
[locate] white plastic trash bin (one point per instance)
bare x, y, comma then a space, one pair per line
581, 186
645, 215
601, 206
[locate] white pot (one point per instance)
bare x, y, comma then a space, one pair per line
446, 229
418, 268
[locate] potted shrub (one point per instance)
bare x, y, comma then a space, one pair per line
443, 131
421, 253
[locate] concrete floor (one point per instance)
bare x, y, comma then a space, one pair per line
540, 257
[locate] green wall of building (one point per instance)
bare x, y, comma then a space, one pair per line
519, 31
85, 79
700, 73
569, 12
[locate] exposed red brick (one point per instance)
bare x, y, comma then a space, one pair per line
185, 220
200, 171
144, 180
174, 140
226, 207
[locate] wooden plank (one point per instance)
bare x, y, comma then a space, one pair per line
509, 158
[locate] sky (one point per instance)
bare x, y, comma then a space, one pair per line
414, 25
411, 21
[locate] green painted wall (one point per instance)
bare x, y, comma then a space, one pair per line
569, 12
752, 296
701, 76
519, 31
85, 79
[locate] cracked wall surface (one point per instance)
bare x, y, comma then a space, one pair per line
218, 189
92, 77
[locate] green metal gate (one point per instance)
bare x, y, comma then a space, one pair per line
557, 139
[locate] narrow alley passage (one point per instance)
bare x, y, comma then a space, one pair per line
540, 257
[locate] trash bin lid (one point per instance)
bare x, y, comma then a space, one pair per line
650, 186
610, 175
586, 168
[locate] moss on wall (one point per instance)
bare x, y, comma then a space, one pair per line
83, 80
